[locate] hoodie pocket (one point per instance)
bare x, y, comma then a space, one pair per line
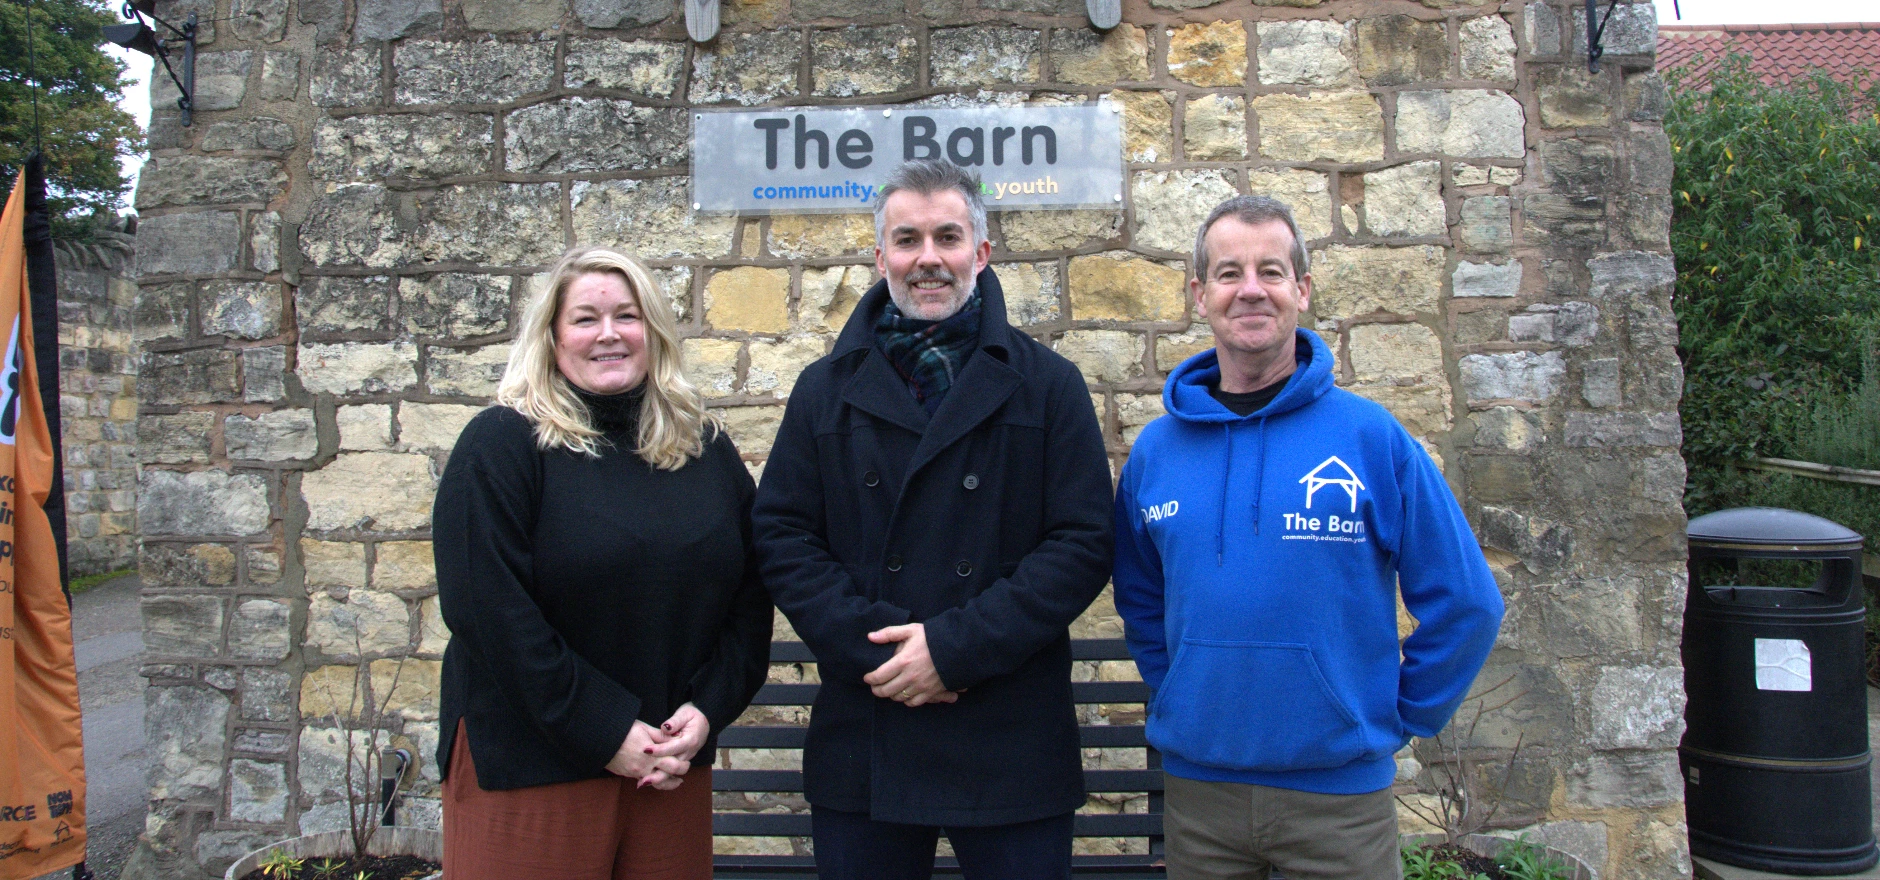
1260, 706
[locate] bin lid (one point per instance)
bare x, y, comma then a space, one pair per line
1773, 526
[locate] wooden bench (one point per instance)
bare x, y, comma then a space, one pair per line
1146, 825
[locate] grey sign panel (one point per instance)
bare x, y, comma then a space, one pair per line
800, 160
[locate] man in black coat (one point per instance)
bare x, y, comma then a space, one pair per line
933, 515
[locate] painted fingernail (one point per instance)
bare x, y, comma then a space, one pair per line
649, 750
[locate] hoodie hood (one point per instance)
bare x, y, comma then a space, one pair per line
1186, 396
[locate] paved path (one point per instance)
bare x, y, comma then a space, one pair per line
107, 625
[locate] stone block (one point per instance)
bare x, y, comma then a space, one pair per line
1578, 165
1305, 52
1534, 325
1085, 57
365, 623
1637, 708
284, 435
258, 19
830, 294
185, 565
201, 503
510, 16
492, 224
483, 72
1173, 348
326, 305
348, 77
367, 149
403, 566
807, 236
378, 491
333, 563
1214, 127
775, 365
264, 242
221, 81
1465, 123
331, 694
346, 368
623, 13
1307, 193
1405, 200
712, 364
260, 630
1599, 383
593, 134
1516, 375
183, 626
267, 694
1645, 97
1487, 279
354, 225
1570, 97
1028, 231
1396, 354
968, 57
196, 243
1104, 356
1549, 219
1541, 546
162, 312
1576, 323
1035, 7
1322, 126
454, 306
466, 372
748, 298
1423, 410
1119, 286
649, 219
280, 76
858, 61
1350, 282
1486, 225
1624, 780
365, 427
1544, 29
1148, 129
432, 426
182, 438
1613, 430
407, 687
257, 790
185, 733
393, 19
644, 67
1395, 50
208, 180
1505, 427
1134, 412
746, 68
1629, 29
1649, 153
1643, 220
1031, 292
1486, 49
752, 428
1209, 53
1170, 205
241, 310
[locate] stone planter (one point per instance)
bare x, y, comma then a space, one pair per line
1489, 845
396, 840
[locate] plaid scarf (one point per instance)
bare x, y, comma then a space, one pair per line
929, 354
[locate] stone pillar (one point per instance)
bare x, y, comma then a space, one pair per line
335, 253
98, 401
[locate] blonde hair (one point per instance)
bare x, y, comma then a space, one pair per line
673, 419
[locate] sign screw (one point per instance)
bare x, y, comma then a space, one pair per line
695, 206
1117, 198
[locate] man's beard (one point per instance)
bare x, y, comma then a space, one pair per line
902, 294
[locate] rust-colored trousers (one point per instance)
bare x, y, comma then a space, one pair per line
596, 829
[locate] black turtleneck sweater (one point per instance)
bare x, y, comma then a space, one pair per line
585, 593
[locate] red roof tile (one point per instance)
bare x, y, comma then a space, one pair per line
1779, 53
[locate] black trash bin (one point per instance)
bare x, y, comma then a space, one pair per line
1775, 755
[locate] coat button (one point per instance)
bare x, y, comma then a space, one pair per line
971, 481
894, 562
871, 479
964, 569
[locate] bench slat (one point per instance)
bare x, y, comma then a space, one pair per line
776, 694
772, 736
1081, 649
798, 825
791, 781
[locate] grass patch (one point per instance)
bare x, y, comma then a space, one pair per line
81, 584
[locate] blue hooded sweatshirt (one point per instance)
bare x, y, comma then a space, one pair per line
1258, 562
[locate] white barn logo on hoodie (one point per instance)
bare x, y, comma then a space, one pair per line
1319, 478
1304, 526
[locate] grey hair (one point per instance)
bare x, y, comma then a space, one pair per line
1251, 210
929, 176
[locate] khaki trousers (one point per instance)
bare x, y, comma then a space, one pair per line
1222, 830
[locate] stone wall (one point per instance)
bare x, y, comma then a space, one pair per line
333, 257
98, 401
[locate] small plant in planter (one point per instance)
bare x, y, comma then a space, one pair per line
1516, 860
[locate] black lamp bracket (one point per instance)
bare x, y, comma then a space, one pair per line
146, 40
1593, 34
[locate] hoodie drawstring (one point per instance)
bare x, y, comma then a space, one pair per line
1220, 527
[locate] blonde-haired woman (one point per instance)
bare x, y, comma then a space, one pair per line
593, 542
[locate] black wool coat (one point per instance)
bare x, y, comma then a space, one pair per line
989, 523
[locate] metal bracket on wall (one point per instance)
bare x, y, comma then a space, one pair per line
141, 37
1104, 14
701, 19
1593, 48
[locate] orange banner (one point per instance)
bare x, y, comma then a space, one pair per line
42, 753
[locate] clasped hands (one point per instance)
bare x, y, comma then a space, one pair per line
660, 756
908, 676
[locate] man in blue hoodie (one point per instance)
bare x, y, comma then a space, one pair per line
1264, 529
